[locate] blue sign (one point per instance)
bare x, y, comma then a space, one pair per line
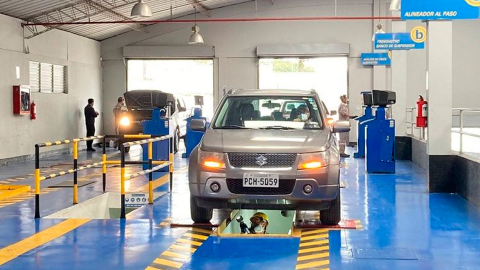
440, 9
402, 41
376, 59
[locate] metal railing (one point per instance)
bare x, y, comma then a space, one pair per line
411, 124
75, 169
465, 129
103, 163
150, 170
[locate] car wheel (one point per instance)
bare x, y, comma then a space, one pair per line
176, 141
332, 215
127, 149
199, 214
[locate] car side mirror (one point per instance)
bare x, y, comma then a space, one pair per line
341, 127
332, 113
198, 125
182, 109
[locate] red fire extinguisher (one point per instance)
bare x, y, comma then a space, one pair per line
33, 111
422, 113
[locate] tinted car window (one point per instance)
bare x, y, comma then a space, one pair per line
265, 112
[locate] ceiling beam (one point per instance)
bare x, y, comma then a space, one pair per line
80, 10
200, 7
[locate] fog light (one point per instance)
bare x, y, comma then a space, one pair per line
215, 187
307, 189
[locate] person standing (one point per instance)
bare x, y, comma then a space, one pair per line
118, 110
343, 115
90, 115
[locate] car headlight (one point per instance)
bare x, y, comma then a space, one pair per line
313, 160
125, 121
211, 159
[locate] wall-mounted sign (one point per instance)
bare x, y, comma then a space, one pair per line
440, 9
376, 59
402, 41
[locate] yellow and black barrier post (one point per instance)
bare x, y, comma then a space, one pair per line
122, 181
75, 173
37, 181
150, 175
104, 165
170, 159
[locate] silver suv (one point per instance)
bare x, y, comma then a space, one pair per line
254, 156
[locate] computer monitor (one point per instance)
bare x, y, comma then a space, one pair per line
367, 98
383, 98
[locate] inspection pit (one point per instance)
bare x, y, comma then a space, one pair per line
280, 223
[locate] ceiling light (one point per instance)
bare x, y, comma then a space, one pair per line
379, 30
395, 5
195, 38
141, 9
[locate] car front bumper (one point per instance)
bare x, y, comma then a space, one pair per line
324, 182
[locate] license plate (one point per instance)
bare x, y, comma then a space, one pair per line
260, 180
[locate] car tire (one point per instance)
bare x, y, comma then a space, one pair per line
199, 214
332, 215
176, 141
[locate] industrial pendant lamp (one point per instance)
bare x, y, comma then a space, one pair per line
379, 30
195, 38
395, 5
141, 9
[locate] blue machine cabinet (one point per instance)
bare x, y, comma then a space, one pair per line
193, 138
380, 143
159, 126
361, 125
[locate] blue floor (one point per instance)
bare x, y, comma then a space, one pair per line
404, 228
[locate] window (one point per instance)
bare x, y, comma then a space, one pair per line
327, 75
47, 78
185, 78
264, 112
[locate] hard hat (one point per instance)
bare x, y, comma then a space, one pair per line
260, 215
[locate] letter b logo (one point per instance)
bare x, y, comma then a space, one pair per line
418, 34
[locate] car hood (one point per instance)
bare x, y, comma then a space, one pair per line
147, 99
266, 141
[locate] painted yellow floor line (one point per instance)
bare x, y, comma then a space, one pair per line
308, 250
317, 236
156, 183
13, 251
309, 244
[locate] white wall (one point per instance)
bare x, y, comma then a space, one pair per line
466, 64
60, 116
235, 43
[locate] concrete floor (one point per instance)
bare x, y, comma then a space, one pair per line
404, 227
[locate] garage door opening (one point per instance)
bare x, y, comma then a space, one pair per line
327, 75
184, 78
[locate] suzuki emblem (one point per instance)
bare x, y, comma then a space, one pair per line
261, 160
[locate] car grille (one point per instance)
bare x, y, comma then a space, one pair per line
285, 186
244, 160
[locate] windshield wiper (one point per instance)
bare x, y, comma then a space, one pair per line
278, 127
232, 127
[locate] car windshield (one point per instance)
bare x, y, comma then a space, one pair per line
282, 113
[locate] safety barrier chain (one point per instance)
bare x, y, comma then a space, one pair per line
147, 141
61, 173
76, 168
56, 143
150, 170
156, 168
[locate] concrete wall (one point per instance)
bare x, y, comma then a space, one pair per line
235, 43
466, 64
60, 116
